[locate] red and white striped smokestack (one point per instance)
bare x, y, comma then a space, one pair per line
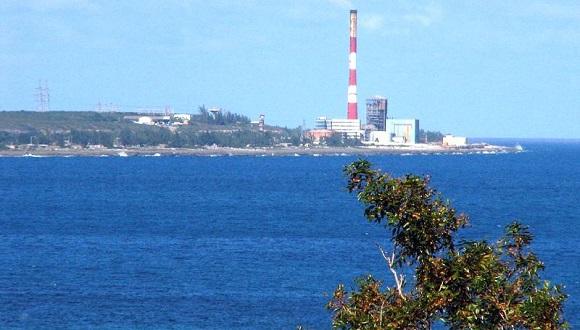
352, 93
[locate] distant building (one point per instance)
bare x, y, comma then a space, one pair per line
316, 135
348, 127
261, 122
181, 119
149, 120
145, 120
321, 123
182, 116
403, 131
377, 113
454, 141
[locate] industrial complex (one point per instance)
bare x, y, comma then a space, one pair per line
380, 128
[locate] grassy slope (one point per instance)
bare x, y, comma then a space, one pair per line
60, 120
24, 121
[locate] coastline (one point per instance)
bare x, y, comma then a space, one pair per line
419, 149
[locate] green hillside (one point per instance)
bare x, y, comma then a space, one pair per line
60, 120
111, 129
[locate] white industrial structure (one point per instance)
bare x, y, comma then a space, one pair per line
405, 131
454, 141
348, 127
379, 138
397, 131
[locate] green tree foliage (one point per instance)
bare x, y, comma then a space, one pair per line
341, 140
430, 136
221, 117
465, 285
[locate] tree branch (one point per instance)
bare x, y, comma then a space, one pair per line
390, 263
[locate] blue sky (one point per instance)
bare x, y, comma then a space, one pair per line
477, 68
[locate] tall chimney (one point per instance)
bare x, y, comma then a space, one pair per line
352, 93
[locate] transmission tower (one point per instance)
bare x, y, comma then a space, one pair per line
42, 97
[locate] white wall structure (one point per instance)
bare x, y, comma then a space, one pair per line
182, 116
403, 131
145, 120
379, 138
454, 141
350, 127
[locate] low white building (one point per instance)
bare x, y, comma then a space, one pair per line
454, 141
349, 127
151, 120
145, 120
182, 117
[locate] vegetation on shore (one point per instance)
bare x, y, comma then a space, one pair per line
430, 136
111, 129
462, 285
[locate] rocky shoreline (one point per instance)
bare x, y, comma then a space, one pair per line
273, 151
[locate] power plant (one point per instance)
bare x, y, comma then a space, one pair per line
379, 128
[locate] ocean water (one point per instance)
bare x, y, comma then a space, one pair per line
244, 242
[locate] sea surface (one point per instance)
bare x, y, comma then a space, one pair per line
244, 242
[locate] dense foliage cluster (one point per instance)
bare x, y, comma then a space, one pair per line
465, 285
62, 128
220, 118
340, 140
430, 136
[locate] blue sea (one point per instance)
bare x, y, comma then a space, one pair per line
244, 242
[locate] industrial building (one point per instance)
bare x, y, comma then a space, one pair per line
350, 128
377, 113
454, 141
404, 131
324, 127
321, 123
397, 131
316, 135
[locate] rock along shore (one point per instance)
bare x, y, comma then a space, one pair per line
272, 151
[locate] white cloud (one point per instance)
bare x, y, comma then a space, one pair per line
372, 22
425, 16
47, 5
554, 10
342, 3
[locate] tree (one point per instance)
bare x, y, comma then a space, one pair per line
430, 136
464, 285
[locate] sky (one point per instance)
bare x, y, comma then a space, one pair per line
473, 68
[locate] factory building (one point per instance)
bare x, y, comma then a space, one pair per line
405, 131
398, 131
316, 135
350, 128
377, 113
454, 141
321, 123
